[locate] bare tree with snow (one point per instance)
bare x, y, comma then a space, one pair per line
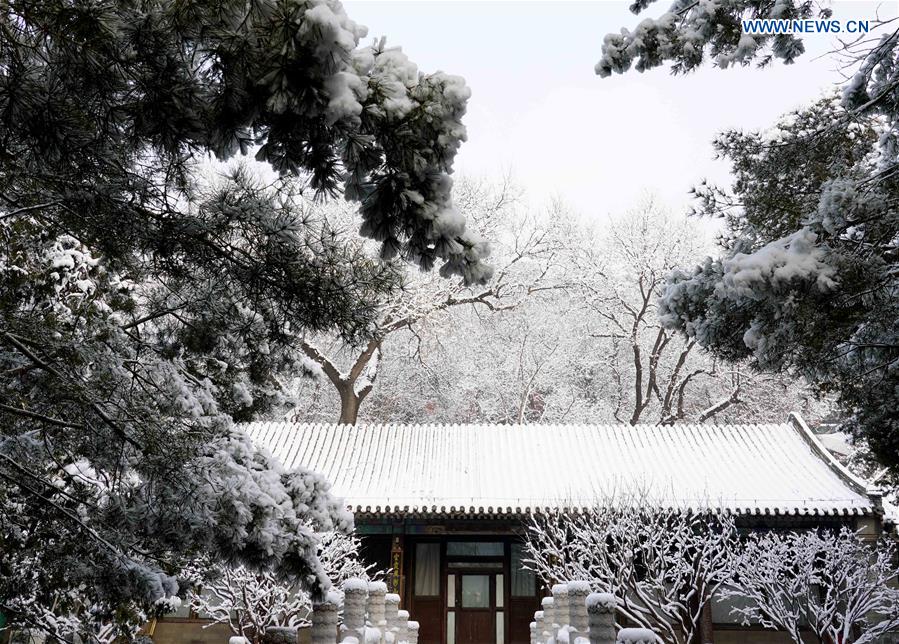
664, 566
524, 263
254, 604
831, 583
568, 333
652, 373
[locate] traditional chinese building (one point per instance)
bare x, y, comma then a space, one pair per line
443, 506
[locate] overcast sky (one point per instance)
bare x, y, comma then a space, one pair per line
538, 109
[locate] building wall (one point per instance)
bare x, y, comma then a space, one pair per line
192, 632
753, 637
181, 631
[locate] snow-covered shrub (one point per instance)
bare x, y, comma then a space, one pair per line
260, 606
665, 567
662, 566
833, 583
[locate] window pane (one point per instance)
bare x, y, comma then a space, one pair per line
500, 628
475, 591
451, 590
427, 569
451, 628
523, 581
474, 549
480, 565
721, 609
499, 591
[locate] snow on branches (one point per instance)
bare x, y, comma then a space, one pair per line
807, 278
689, 29
835, 584
143, 310
663, 566
118, 460
255, 603
233, 503
807, 282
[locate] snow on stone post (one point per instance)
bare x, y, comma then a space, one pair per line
377, 590
560, 607
413, 628
533, 628
548, 616
391, 615
601, 618
540, 632
324, 620
636, 636
355, 596
402, 625
577, 606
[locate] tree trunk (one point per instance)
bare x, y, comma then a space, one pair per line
705, 631
349, 405
706, 625
350, 397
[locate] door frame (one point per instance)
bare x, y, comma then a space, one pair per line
447, 568
456, 565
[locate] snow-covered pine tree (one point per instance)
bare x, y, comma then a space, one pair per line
809, 272
142, 310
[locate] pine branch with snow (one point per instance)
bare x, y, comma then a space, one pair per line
145, 307
807, 278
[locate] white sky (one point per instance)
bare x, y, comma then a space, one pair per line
538, 109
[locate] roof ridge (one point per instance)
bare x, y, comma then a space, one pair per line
854, 481
637, 427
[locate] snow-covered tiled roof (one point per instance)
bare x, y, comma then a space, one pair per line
507, 469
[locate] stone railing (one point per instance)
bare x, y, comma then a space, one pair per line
371, 615
574, 615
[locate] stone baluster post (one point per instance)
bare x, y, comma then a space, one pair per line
560, 608
636, 636
540, 631
355, 596
413, 628
577, 607
533, 630
601, 618
377, 590
548, 617
324, 620
402, 623
391, 614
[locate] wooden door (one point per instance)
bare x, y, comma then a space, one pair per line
476, 607
524, 596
